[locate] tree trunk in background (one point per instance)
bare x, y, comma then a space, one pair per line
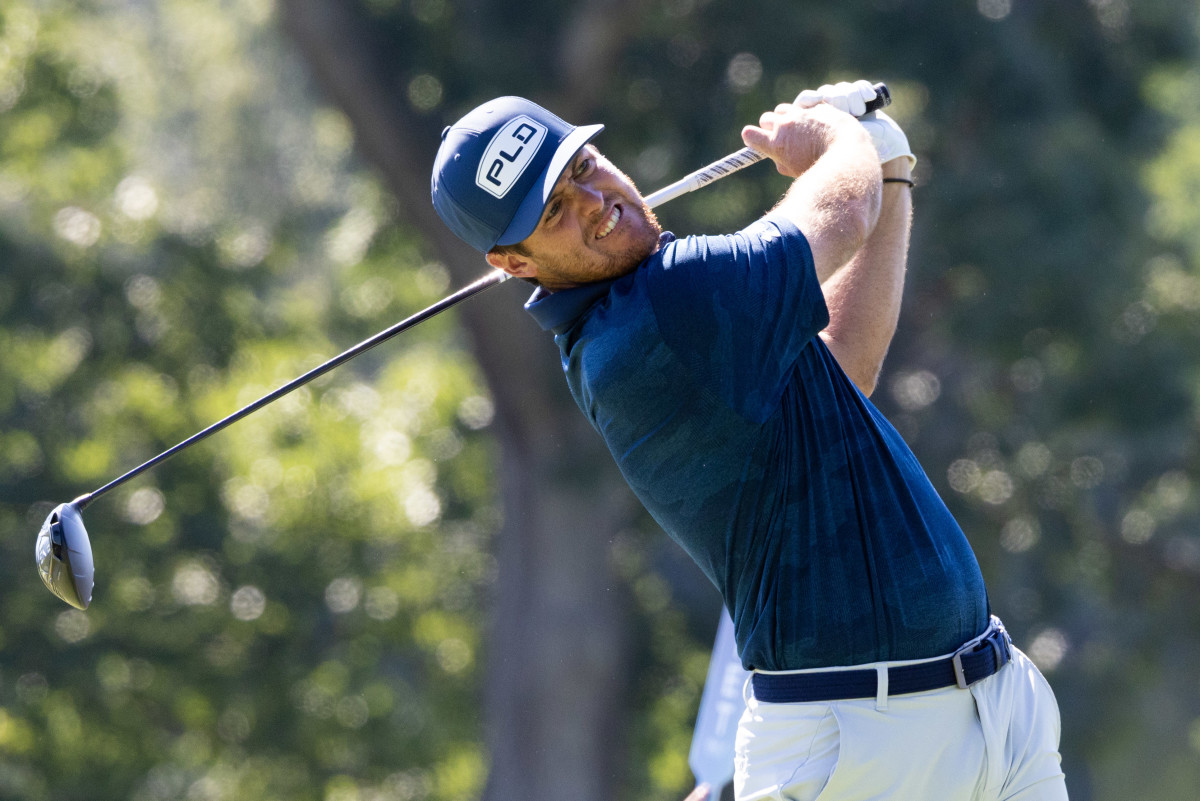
556, 666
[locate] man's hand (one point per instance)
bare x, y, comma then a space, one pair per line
699, 794
851, 98
795, 137
888, 138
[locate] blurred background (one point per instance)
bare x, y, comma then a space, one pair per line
421, 578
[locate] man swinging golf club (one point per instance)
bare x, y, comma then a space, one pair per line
729, 376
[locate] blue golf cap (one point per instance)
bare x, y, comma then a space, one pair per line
497, 166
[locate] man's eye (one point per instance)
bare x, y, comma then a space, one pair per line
552, 209
583, 166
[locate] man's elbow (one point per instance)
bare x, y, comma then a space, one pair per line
866, 378
858, 219
866, 385
861, 368
865, 213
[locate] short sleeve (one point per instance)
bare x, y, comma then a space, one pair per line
738, 309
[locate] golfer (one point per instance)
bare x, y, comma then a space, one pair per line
729, 376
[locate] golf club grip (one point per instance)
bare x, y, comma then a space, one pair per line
739, 161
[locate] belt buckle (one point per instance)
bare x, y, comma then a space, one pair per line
997, 638
960, 676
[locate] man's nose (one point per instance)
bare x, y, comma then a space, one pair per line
587, 198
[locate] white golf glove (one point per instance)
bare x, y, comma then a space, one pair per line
852, 98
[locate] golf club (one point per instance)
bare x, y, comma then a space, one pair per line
63, 552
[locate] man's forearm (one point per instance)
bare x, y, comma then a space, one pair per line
836, 203
864, 296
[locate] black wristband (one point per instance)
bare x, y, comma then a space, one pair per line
899, 181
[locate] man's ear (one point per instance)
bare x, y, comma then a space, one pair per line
514, 264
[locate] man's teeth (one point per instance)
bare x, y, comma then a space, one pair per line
614, 216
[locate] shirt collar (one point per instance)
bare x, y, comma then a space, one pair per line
556, 311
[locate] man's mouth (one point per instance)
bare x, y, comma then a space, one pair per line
609, 223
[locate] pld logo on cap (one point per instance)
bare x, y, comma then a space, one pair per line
497, 167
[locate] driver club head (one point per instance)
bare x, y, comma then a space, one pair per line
64, 556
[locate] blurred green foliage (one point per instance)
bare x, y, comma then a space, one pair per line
294, 610
291, 610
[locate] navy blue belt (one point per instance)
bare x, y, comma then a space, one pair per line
975, 661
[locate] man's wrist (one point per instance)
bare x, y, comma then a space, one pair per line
900, 167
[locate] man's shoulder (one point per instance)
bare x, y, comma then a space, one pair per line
771, 239
765, 231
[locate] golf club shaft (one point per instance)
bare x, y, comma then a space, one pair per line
489, 280
718, 169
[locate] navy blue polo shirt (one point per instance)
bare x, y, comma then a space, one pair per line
735, 426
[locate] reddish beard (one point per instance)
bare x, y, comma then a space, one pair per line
590, 264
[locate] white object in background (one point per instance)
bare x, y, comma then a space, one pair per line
721, 705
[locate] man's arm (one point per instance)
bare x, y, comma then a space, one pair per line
835, 199
864, 297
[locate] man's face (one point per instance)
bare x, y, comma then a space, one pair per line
594, 227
